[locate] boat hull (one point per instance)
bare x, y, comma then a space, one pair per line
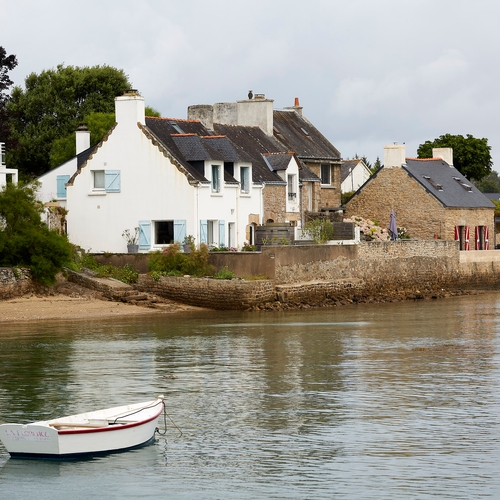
89, 434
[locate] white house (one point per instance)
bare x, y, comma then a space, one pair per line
168, 182
354, 173
4, 171
53, 183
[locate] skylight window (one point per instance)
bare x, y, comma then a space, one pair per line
439, 187
304, 131
176, 127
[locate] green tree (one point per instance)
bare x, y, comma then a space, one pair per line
149, 111
64, 148
490, 184
7, 63
25, 240
376, 166
471, 156
52, 106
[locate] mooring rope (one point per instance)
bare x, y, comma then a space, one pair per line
165, 415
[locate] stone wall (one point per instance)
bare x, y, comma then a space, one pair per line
14, 283
274, 201
210, 293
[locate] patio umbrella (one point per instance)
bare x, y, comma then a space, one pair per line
393, 228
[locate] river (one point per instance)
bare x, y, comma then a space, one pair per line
387, 401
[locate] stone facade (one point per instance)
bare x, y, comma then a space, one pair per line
327, 196
274, 200
416, 209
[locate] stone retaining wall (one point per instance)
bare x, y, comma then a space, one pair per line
14, 282
210, 293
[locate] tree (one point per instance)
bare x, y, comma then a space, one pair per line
52, 106
25, 240
7, 63
471, 156
490, 184
376, 166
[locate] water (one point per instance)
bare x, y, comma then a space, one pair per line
381, 401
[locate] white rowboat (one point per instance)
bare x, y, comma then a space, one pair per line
87, 434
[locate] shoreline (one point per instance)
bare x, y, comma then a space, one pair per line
54, 307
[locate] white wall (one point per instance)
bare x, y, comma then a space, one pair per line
359, 175
151, 189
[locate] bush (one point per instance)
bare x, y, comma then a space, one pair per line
319, 230
224, 274
25, 240
171, 260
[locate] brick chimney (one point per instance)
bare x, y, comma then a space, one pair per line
394, 155
296, 107
82, 139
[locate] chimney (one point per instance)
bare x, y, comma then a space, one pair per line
202, 112
82, 136
296, 107
445, 153
394, 155
257, 112
130, 108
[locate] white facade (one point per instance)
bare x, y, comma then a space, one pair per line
4, 171
53, 183
357, 176
129, 182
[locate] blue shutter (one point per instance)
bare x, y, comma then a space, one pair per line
61, 185
203, 231
112, 181
144, 234
222, 233
179, 230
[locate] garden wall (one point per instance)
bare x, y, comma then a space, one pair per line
210, 293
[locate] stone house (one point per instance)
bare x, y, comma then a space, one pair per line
431, 199
274, 137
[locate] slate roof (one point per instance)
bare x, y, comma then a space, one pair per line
277, 161
299, 135
189, 141
82, 157
446, 183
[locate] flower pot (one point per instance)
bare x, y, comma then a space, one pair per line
133, 248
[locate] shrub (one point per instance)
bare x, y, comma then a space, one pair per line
172, 260
319, 230
224, 274
25, 240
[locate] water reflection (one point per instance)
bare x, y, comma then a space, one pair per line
387, 401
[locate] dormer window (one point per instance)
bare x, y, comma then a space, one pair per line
215, 178
245, 179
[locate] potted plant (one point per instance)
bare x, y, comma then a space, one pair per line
132, 240
188, 243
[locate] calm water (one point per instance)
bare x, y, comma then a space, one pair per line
382, 401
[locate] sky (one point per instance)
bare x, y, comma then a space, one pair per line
367, 72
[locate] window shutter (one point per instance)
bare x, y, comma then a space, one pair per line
112, 181
222, 233
144, 234
203, 231
61, 185
486, 238
467, 238
179, 230
477, 246
457, 233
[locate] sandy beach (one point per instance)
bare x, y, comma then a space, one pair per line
67, 301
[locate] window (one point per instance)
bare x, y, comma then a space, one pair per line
215, 178
245, 179
326, 174
61, 181
164, 232
292, 194
99, 179
106, 180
